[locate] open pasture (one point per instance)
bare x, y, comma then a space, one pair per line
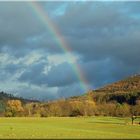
66, 127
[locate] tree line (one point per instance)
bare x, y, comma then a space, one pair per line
95, 103
103, 105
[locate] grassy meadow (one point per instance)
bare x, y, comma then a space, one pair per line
66, 127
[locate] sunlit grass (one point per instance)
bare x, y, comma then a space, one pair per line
65, 127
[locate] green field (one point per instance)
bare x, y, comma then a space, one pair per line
81, 127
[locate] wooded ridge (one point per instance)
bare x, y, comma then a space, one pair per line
121, 98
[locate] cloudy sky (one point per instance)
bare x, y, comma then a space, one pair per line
103, 39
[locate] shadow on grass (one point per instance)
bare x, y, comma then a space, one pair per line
100, 122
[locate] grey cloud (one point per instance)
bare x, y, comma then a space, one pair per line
70, 90
34, 74
34, 92
109, 29
102, 72
105, 36
58, 76
12, 68
61, 75
17, 22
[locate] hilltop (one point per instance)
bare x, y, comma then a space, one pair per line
131, 83
123, 91
126, 90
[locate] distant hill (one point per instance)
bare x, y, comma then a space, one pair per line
121, 98
129, 84
5, 97
126, 90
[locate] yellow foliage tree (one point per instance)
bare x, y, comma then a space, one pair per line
14, 107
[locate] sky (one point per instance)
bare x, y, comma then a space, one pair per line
98, 43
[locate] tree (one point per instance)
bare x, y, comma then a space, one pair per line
14, 108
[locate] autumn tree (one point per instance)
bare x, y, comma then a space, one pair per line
14, 108
88, 107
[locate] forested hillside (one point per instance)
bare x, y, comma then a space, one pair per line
124, 91
121, 98
5, 97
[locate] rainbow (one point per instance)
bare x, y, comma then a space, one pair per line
53, 29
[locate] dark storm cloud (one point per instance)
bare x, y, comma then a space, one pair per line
102, 72
22, 31
61, 75
34, 74
102, 30
103, 35
70, 90
58, 76
33, 92
18, 22
12, 68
